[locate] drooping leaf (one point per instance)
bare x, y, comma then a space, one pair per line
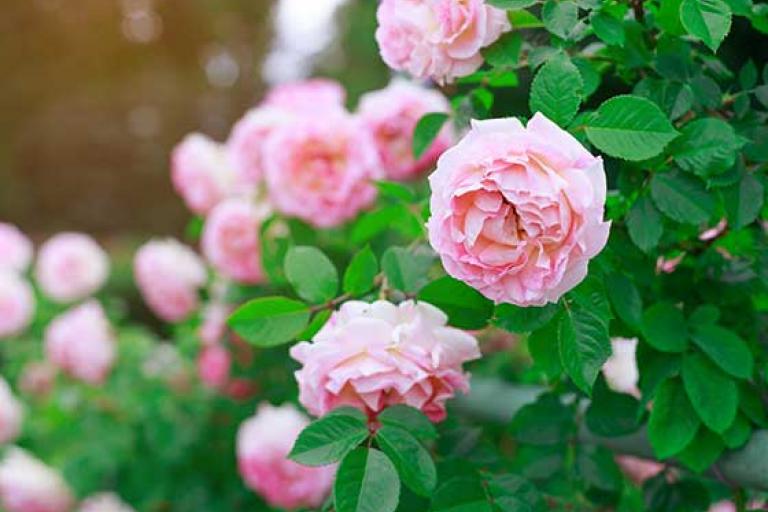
269, 321
713, 394
366, 481
311, 273
414, 464
673, 423
410, 419
426, 131
329, 439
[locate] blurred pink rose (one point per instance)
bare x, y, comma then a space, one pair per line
391, 115
104, 502
28, 485
71, 266
371, 356
637, 469
80, 342
15, 248
202, 173
230, 240
214, 325
17, 304
37, 378
263, 444
722, 506
169, 275
620, 370
517, 212
321, 175
311, 95
668, 265
213, 366
11, 414
714, 232
440, 39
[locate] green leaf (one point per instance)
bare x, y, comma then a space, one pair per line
545, 421
395, 190
713, 394
521, 19
703, 451
608, 28
674, 98
664, 328
317, 323
505, 52
708, 20
461, 494
366, 482
682, 198
410, 419
426, 132
361, 272
630, 127
466, 307
512, 4
513, 493
669, 17
544, 349
407, 270
725, 349
270, 321
557, 90
311, 273
329, 439
625, 299
518, 319
748, 75
743, 201
612, 414
372, 223
596, 465
706, 147
560, 17
413, 462
738, 433
673, 422
644, 224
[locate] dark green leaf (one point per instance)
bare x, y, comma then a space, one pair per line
361, 272
703, 451
557, 90
748, 75
612, 414
725, 349
598, 468
410, 419
664, 328
269, 321
625, 299
329, 439
713, 394
426, 132
311, 273
706, 147
513, 493
461, 495
544, 349
644, 223
413, 462
545, 421
366, 482
518, 319
466, 307
673, 423
738, 433
682, 198
743, 201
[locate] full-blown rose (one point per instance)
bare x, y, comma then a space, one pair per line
17, 304
11, 414
391, 115
15, 248
371, 356
104, 502
81, 343
517, 212
71, 266
263, 444
28, 485
440, 39
169, 275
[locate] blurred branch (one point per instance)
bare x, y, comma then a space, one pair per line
497, 401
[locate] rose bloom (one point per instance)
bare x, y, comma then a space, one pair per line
637, 469
70, 267
315, 94
214, 324
391, 115
11, 414
28, 485
620, 370
17, 304
321, 175
80, 342
213, 366
440, 39
15, 248
263, 444
169, 275
104, 502
230, 240
371, 356
517, 212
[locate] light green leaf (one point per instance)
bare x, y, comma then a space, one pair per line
466, 307
505, 52
426, 131
311, 273
664, 328
673, 423
329, 439
706, 147
644, 223
366, 482
726, 350
410, 419
682, 198
714, 395
405, 269
608, 28
557, 90
708, 20
269, 321
560, 17
512, 4
413, 462
361, 272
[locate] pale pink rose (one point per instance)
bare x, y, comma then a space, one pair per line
202, 173
668, 265
37, 378
104, 502
311, 95
637, 469
11, 414
230, 240
15, 248
71, 266
28, 485
714, 232
169, 275
318, 174
17, 304
620, 370
213, 366
263, 444
391, 115
214, 324
81, 343
440, 39
517, 212
723, 506
371, 356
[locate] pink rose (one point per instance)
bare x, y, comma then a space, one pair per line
263, 444
517, 212
17, 304
321, 175
214, 325
71, 266
15, 248
391, 115
213, 366
11, 414
669, 265
714, 232
637, 469
169, 275
440, 39
371, 356
620, 370
28, 485
104, 502
202, 173
230, 240
311, 95
80, 342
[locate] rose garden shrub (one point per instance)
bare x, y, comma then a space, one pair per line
595, 256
